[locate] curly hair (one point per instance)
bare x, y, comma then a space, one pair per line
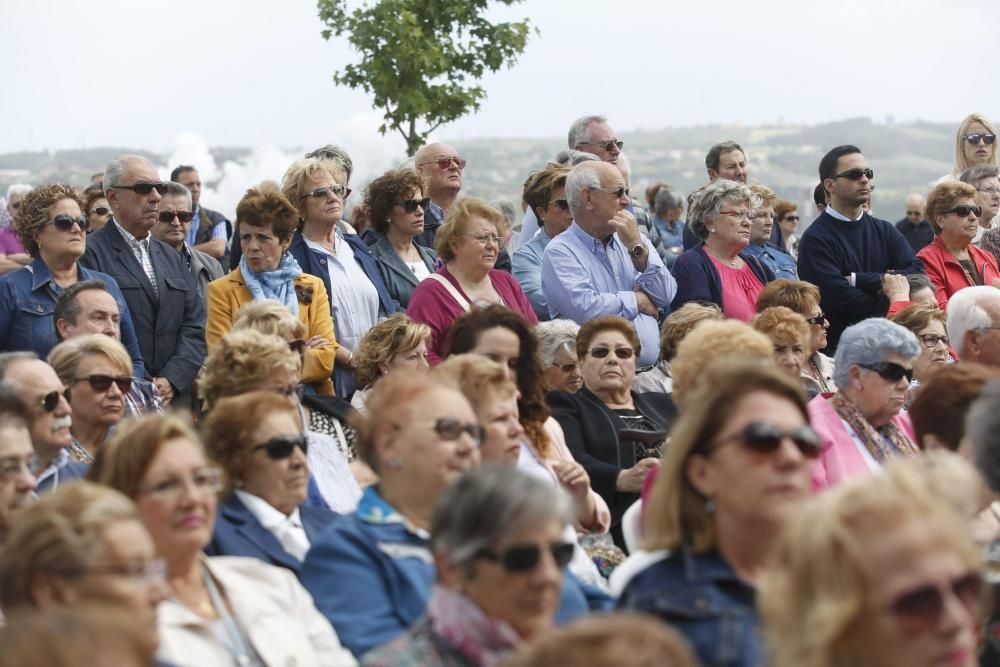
681, 322
396, 334
782, 325
783, 207
243, 360
90, 195
598, 325
266, 206
798, 295
943, 197
34, 212
457, 222
386, 191
474, 376
269, 317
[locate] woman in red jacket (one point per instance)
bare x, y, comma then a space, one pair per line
951, 261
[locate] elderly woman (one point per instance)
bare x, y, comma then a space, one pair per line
928, 325
395, 342
268, 271
863, 424
221, 610
975, 144
721, 270
53, 229
604, 421
395, 203
951, 261
737, 465
761, 245
262, 514
468, 244
803, 298
905, 589
678, 324
97, 372
96, 207
786, 215
358, 297
986, 181
789, 332
17, 481
12, 254
496, 538
557, 347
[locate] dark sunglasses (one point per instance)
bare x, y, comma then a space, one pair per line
452, 429
620, 352
50, 401
445, 162
617, 192
168, 216
963, 211
520, 558
606, 145
888, 370
143, 188
766, 438
101, 210
793, 218
104, 382
818, 320
974, 137
64, 223
338, 190
411, 205
856, 174
561, 203
281, 446
925, 605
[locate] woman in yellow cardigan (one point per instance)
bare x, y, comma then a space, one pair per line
265, 221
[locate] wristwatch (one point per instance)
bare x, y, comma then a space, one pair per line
637, 251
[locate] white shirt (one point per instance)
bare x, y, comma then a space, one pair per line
289, 530
419, 269
870, 461
353, 297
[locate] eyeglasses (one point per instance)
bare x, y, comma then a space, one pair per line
561, 203
452, 429
281, 446
411, 205
12, 467
963, 211
620, 352
153, 572
617, 192
931, 340
817, 319
446, 162
103, 383
486, 238
101, 210
205, 480
992, 192
856, 174
739, 215
791, 218
974, 138
143, 188
606, 145
568, 368
923, 606
168, 216
296, 390
766, 438
64, 223
338, 190
520, 558
890, 371
50, 401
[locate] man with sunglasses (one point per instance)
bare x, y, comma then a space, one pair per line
162, 297
917, 231
210, 231
592, 134
442, 168
852, 257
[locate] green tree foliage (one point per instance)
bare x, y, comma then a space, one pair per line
421, 60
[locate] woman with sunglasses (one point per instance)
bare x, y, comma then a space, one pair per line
266, 221
975, 143
53, 229
737, 465
863, 424
557, 348
98, 211
783, 236
395, 204
929, 325
496, 539
904, 590
951, 260
262, 512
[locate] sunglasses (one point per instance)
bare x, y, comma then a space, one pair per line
567, 368
620, 352
103, 383
974, 137
606, 145
923, 606
931, 340
452, 429
520, 558
561, 203
281, 446
963, 211
64, 223
143, 188
101, 210
766, 438
617, 192
888, 370
817, 320
445, 162
296, 390
168, 216
856, 174
791, 218
341, 191
411, 205
50, 401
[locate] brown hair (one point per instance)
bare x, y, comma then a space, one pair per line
241, 361
396, 334
918, 317
681, 322
91, 195
540, 185
597, 325
457, 222
766, 194
474, 376
943, 197
943, 400
783, 207
34, 212
388, 190
797, 295
782, 325
265, 206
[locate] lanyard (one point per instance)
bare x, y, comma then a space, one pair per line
237, 648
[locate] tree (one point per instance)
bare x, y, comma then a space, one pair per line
421, 60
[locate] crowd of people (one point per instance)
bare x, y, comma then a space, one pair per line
432, 430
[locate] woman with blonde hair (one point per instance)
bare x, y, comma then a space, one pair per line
678, 324
789, 332
395, 342
975, 143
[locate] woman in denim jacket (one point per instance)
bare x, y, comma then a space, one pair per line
738, 460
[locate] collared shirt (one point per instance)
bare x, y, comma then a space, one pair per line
61, 469
435, 210
353, 297
584, 278
140, 248
288, 529
526, 266
782, 265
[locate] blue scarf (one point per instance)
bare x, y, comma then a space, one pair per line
277, 284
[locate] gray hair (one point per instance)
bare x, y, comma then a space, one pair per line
8, 359
113, 173
336, 154
578, 130
973, 175
17, 189
507, 207
489, 503
571, 157
869, 342
553, 335
580, 179
966, 313
707, 202
178, 190
919, 281
667, 198
624, 166
982, 425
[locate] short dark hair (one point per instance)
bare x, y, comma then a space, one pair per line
828, 165
716, 151
67, 308
819, 194
180, 169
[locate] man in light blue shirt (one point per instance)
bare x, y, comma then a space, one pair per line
602, 265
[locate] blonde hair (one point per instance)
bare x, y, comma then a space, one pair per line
783, 326
397, 334
65, 357
241, 361
293, 183
681, 322
961, 164
457, 222
766, 194
475, 376
269, 317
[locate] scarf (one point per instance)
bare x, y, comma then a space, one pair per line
874, 439
277, 284
481, 639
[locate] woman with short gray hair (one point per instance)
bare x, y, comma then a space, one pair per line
496, 538
863, 424
721, 270
557, 347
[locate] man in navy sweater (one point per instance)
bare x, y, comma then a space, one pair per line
853, 258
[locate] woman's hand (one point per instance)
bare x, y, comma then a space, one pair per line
572, 476
318, 341
631, 479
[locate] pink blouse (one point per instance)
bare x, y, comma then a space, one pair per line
740, 289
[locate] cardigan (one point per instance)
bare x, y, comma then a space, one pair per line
948, 274
698, 279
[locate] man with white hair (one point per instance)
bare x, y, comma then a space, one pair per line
974, 324
917, 231
592, 134
602, 265
442, 168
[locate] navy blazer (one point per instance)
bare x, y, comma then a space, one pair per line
171, 327
698, 280
239, 533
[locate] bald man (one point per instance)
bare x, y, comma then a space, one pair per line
917, 231
442, 168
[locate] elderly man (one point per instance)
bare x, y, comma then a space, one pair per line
210, 231
592, 134
602, 265
917, 231
727, 160
442, 167
162, 297
974, 324
39, 388
172, 225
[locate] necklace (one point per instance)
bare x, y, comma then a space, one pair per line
818, 376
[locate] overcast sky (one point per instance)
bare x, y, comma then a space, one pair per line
141, 73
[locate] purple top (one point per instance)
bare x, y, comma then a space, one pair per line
9, 245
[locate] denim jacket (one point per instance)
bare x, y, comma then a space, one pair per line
703, 599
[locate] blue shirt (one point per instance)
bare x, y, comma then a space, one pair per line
526, 267
582, 278
671, 238
782, 264
218, 229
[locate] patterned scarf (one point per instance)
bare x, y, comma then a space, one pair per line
277, 284
881, 443
481, 639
